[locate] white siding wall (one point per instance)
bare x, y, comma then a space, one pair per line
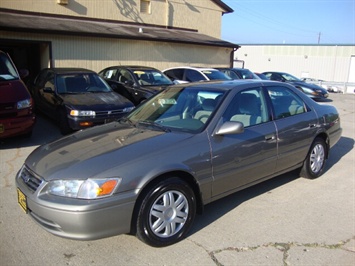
98, 53
331, 62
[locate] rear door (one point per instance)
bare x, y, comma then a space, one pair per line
296, 125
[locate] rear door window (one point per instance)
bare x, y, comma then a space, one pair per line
285, 103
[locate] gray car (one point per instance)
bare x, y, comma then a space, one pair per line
149, 173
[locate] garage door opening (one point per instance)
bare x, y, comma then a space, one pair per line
29, 55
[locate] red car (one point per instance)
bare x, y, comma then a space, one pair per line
16, 104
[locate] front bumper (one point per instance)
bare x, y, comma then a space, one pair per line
76, 218
77, 123
16, 126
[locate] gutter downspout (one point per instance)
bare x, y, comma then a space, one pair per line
167, 13
231, 57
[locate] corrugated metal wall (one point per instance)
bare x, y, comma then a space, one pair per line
327, 62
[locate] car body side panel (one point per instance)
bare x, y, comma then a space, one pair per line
295, 135
329, 116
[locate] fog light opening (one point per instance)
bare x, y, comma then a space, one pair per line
86, 124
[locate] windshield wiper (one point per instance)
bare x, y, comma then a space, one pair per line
126, 120
155, 125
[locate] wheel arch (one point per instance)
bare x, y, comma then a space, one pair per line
325, 138
187, 177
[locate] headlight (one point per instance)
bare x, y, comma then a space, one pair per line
24, 104
309, 91
84, 189
82, 113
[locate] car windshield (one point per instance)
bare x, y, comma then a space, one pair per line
151, 77
247, 74
215, 75
7, 70
81, 83
289, 77
178, 109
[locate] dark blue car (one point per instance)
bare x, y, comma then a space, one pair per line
312, 90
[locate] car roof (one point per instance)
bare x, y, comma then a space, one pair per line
228, 85
133, 67
276, 72
195, 68
231, 68
67, 70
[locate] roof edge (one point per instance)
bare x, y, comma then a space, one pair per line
224, 6
50, 15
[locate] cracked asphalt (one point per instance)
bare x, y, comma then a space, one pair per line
284, 221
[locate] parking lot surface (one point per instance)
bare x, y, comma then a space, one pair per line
284, 221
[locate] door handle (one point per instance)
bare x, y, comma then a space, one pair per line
270, 137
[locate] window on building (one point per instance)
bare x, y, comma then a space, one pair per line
145, 6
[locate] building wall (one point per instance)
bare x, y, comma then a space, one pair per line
326, 62
204, 16
98, 53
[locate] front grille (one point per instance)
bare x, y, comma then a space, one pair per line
8, 110
111, 113
30, 179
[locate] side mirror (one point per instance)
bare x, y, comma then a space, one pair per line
129, 83
48, 90
229, 128
23, 73
113, 86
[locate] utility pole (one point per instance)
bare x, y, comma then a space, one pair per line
319, 34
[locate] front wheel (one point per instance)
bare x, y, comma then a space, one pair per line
314, 164
166, 213
63, 123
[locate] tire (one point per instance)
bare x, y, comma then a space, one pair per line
63, 123
166, 213
314, 164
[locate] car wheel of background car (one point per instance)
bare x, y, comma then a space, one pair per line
63, 123
314, 164
166, 213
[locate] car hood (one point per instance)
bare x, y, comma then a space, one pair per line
13, 91
93, 152
308, 85
155, 88
104, 100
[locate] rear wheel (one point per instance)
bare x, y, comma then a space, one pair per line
314, 164
166, 213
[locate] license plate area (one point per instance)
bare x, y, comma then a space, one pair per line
109, 120
22, 200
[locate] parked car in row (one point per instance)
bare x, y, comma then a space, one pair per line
194, 74
238, 73
150, 172
77, 98
312, 90
16, 104
136, 83
322, 83
261, 76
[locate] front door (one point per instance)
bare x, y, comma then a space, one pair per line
242, 159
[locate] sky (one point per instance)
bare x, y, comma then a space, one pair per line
289, 22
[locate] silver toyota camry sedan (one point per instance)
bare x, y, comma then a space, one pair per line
150, 172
